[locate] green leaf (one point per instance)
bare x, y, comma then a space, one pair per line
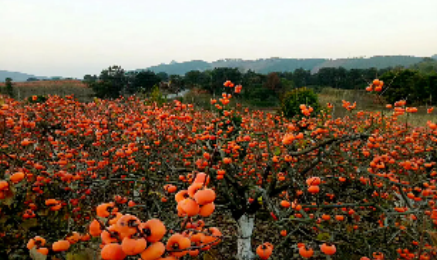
277, 151
44, 212
260, 200
79, 256
323, 236
35, 255
30, 223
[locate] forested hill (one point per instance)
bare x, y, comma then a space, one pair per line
16, 76
283, 64
261, 65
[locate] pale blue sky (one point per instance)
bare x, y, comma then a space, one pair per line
75, 37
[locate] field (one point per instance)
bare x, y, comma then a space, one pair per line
23, 90
369, 102
131, 178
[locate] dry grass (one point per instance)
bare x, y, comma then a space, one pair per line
24, 90
368, 102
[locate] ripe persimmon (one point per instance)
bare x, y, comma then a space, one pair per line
264, 251
73, 238
205, 196
17, 177
153, 252
285, 204
60, 246
306, 253
103, 210
127, 225
112, 251
95, 228
328, 249
131, 246
194, 188
36, 241
190, 207
177, 244
313, 181
154, 230
109, 236
207, 210
313, 189
181, 195
4, 185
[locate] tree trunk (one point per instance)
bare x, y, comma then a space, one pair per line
245, 229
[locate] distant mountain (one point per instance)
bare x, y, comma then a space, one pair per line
379, 62
283, 64
16, 76
181, 68
261, 65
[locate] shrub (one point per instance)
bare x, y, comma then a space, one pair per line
37, 99
293, 99
156, 96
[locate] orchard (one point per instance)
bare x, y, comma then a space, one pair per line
132, 179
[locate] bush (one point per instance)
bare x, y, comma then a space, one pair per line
156, 96
37, 99
293, 99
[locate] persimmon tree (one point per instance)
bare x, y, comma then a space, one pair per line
346, 188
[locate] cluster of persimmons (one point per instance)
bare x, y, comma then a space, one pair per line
358, 187
125, 235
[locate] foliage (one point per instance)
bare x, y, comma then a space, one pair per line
37, 99
162, 76
273, 82
32, 79
220, 75
427, 66
111, 83
412, 85
9, 90
143, 81
418, 83
89, 79
156, 96
292, 100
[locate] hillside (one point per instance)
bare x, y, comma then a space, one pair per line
426, 66
283, 64
379, 62
16, 76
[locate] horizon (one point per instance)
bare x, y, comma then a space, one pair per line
71, 39
169, 63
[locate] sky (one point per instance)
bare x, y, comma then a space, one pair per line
78, 37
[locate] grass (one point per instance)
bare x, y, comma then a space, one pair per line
23, 90
368, 102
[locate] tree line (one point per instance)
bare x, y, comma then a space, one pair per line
417, 85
